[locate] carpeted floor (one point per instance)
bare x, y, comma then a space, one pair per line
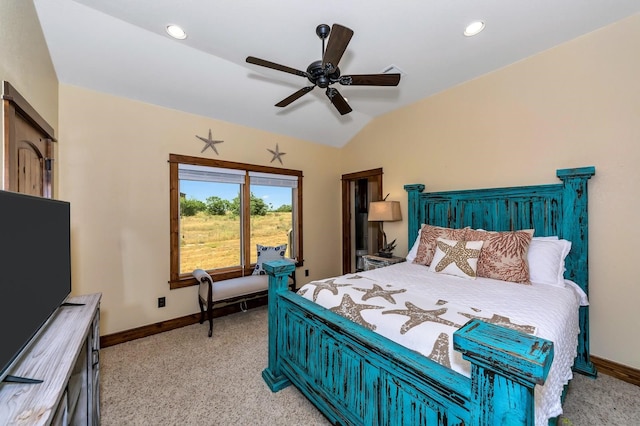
182, 377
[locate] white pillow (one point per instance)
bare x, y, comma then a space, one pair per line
459, 258
414, 250
546, 260
268, 254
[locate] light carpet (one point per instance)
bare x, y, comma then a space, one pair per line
182, 377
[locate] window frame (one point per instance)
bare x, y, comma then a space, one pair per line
178, 280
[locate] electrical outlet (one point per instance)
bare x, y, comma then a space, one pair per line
162, 302
306, 272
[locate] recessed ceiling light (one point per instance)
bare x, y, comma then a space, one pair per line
176, 32
474, 28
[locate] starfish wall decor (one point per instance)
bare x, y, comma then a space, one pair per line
277, 155
209, 143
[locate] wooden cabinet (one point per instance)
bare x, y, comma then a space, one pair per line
66, 357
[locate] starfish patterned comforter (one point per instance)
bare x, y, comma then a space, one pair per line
421, 310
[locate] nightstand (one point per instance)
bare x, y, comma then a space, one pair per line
374, 262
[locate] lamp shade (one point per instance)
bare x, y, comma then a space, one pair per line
384, 211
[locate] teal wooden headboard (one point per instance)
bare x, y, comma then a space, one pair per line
556, 209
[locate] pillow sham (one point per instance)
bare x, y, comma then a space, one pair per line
428, 236
546, 260
459, 258
268, 254
504, 254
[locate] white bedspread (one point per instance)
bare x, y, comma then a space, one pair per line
405, 301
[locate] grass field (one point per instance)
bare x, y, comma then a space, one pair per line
210, 242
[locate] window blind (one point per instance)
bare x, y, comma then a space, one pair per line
210, 174
271, 179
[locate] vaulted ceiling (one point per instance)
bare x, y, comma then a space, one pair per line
121, 47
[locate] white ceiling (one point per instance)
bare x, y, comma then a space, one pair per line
120, 47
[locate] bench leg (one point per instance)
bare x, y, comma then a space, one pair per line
201, 310
210, 314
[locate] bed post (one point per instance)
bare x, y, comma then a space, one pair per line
575, 228
505, 367
413, 207
278, 272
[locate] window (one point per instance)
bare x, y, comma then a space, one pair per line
220, 210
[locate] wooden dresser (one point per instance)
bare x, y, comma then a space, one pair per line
66, 357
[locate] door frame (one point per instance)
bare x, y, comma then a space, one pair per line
373, 175
14, 104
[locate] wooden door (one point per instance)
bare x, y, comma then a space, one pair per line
28, 153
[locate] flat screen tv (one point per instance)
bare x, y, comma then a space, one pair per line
35, 269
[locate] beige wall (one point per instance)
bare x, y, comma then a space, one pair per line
575, 105
25, 62
114, 171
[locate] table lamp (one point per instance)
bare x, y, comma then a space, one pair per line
385, 211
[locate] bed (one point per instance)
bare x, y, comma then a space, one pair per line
356, 375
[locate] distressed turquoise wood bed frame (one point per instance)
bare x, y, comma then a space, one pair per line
355, 376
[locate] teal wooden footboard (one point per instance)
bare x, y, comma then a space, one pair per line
357, 377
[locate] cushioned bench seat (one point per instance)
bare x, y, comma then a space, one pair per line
228, 291
241, 286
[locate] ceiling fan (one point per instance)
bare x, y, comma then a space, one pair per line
325, 72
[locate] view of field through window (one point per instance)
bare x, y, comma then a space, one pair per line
210, 225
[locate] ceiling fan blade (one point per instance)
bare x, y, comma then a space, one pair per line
370, 80
339, 38
338, 101
286, 101
273, 65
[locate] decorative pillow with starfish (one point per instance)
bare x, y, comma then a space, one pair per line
459, 258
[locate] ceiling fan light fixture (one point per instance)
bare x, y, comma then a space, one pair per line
176, 32
474, 28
